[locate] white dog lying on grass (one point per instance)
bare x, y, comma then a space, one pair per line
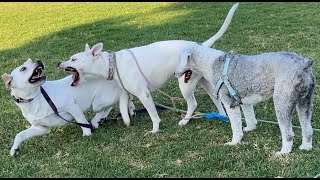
142, 70
71, 102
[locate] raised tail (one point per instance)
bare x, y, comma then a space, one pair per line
223, 28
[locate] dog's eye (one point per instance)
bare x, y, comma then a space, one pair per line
23, 69
73, 59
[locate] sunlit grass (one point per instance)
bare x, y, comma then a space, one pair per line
54, 31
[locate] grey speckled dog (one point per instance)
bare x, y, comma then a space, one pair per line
284, 76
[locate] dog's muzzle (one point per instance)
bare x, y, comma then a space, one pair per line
37, 74
187, 75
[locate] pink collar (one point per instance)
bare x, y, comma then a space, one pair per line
111, 65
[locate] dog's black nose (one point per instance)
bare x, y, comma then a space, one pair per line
59, 64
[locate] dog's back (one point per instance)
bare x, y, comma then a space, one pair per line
92, 94
259, 74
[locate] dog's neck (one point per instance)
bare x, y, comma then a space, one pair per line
208, 64
21, 95
102, 65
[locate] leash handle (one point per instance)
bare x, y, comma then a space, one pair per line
54, 108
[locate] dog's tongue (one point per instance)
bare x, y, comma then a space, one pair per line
75, 79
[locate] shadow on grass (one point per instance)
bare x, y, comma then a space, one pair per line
116, 34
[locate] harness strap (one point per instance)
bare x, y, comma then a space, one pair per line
135, 59
54, 108
115, 66
224, 79
171, 98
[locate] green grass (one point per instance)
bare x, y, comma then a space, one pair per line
54, 31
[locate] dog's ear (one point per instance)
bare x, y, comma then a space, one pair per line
87, 48
7, 80
29, 61
185, 55
96, 49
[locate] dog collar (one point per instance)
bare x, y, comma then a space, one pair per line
20, 100
111, 65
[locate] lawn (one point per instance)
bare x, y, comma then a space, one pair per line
54, 31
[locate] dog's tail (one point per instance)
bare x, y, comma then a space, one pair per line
223, 28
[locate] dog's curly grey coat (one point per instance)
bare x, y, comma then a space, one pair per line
285, 76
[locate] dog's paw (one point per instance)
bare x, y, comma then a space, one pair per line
132, 109
151, 132
281, 153
183, 122
306, 147
95, 124
126, 122
14, 151
86, 132
231, 143
248, 129
133, 114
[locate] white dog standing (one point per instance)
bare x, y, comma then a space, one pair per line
25, 81
142, 70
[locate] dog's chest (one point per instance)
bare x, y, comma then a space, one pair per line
40, 114
253, 99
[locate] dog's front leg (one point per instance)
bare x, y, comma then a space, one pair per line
209, 88
100, 115
27, 134
78, 115
234, 114
123, 105
187, 91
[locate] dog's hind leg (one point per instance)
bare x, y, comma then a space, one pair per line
187, 91
208, 88
250, 118
27, 134
304, 109
284, 106
123, 105
100, 115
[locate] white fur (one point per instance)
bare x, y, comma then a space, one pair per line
71, 102
158, 62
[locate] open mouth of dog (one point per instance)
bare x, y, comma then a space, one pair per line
37, 74
187, 75
75, 75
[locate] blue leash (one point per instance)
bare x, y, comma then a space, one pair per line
215, 115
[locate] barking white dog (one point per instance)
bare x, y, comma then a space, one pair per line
144, 69
25, 82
